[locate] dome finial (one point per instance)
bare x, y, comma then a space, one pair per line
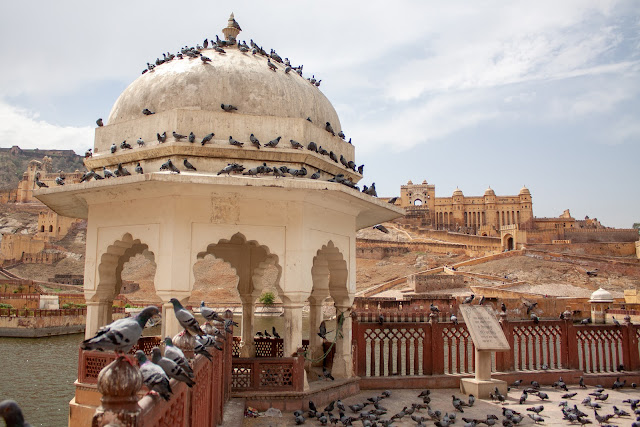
232, 29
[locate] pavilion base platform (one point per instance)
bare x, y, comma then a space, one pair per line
481, 389
321, 392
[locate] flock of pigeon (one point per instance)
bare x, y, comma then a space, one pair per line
121, 335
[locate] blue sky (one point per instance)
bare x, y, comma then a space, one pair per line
470, 94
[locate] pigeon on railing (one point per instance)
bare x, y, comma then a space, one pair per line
153, 376
171, 368
120, 336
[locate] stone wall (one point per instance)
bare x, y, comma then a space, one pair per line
464, 239
41, 326
421, 283
586, 235
13, 246
367, 252
603, 249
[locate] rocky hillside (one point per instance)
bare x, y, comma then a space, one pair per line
14, 161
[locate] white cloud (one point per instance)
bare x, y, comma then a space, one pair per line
23, 128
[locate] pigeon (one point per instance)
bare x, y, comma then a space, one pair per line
209, 313
468, 299
568, 395
382, 228
536, 418
481, 300
88, 153
205, 59
201, 349
516, 383
341, 135
168, 165
581, 383
434, 308
585, 321
139, 169
192, 137
530, 306
172, 352
234, 142
59, 180
326, 374
312, 146
315, 175
329, 129
207, 138
106, 172
535, 318
457, 403
503, 307
125, 145
228, 107
121, 335
189, 166
177, 136
523, 397
153, 376
615, 321
171, 368
99, 122
273, 142
536, 409
271, 65
275, 333
618, 384
12, 414
113, 148
267, 334
454, 319
295, 144
186, 319
147, 112
162, 138
333, 156
620, 412
121, 171
255, 141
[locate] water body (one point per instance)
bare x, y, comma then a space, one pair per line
39, 373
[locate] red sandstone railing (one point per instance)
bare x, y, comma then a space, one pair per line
266, 347
409, 348
268, 374
28, 312
8, 295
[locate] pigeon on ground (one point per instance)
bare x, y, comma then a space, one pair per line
113, 148
186, 319
189, 166
172, 352
207, 138
162, 138
171, 368
326, 374
178, 136
255, 141
273, 142
153, 376
120, 336
295, 144
168, 165
12, 414
192, 137
536, 409
139, 168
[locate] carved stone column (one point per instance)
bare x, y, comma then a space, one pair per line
343, 359
315, 318
170, 325
98, 315
248, 347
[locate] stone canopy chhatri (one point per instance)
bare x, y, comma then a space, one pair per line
305, 228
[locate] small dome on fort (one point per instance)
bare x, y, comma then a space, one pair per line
489, 192
524, 191
457, 192
601, 295
410, 182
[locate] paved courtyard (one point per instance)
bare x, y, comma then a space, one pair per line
441, 400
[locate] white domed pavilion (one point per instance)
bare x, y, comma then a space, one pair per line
305, 228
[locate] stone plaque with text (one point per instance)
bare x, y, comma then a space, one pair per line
486, 333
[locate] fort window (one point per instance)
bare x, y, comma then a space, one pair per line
42, 228
417, 202
50, 228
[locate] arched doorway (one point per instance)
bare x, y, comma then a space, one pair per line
417, 202
508, 242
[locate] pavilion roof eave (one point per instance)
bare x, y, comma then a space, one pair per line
73, 200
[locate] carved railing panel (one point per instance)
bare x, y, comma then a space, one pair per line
600, 348
537, 345
459, 351
394, 349
268, 374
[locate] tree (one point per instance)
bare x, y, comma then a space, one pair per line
636, 225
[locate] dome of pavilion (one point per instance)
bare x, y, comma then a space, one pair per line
457, 192
489, 192
524, 191
601, 295
237, 78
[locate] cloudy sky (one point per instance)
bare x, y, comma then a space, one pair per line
470, 94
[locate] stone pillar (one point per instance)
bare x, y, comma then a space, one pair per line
315, 318
292, 325
248, 347
98, 315
343, 359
